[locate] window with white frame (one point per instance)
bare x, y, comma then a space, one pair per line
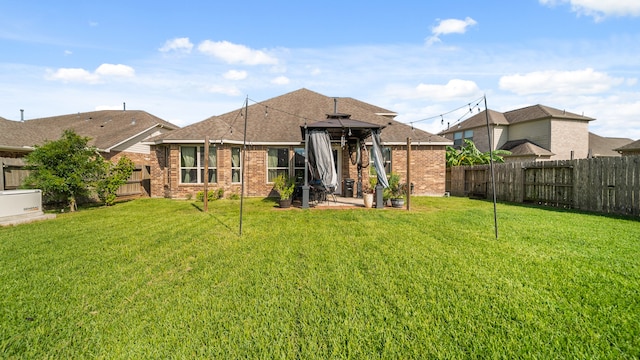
277, 163
236, 165
192, 160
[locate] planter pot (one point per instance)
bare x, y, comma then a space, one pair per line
397, 203
285, 203
368, 200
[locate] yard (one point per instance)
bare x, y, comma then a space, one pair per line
156, 278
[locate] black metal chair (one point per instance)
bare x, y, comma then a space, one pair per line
319, 193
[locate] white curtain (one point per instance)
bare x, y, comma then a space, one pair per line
378, 160
321, 158
188, 161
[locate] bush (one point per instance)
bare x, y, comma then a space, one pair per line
117, 175
211, 195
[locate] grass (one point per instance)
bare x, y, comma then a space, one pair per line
157, 278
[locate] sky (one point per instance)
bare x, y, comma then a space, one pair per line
432, 62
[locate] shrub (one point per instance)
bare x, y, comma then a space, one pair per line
117, 175
211, 195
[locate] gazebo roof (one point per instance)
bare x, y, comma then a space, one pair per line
341, 124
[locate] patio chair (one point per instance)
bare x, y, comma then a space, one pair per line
320, 193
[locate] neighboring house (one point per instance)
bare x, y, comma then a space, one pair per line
113, 132
536, 132
630, 149
605, 146
275, 144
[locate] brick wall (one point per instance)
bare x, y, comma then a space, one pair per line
428, 167
428, 171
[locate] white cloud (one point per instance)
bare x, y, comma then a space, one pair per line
450, 26
454, 89
177, 44
599, 9
280, 80
72, 75
83, 76
235, 75
67, 52
236, 54
585, 81
115, 70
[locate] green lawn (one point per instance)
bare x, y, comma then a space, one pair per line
156, 278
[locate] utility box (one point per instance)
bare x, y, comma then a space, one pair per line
20, 203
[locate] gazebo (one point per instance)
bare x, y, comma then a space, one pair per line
319, 159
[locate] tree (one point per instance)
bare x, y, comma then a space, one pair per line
470, 155
117, 175
65, 169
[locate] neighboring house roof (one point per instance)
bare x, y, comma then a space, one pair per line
278, 121
537, 112
524, 147
633, 146
605, 146
106, 128
529, 113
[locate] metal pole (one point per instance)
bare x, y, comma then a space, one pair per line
493, 178
408, 188
305, 187
244, 155
206, 174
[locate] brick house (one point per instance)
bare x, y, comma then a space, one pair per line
532, 133
274, 145
113, 132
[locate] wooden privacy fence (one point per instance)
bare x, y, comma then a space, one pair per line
138, 183
13, 174
608, 185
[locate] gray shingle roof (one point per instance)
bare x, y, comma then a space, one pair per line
635, 145
525, 147
106, 128
604, 146
278, 120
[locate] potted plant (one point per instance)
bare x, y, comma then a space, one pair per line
285, 186
396, 190
370, 189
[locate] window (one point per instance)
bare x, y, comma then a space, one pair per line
236, 165
298, 164
192, 164
277, 162
386, 157
460, 136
